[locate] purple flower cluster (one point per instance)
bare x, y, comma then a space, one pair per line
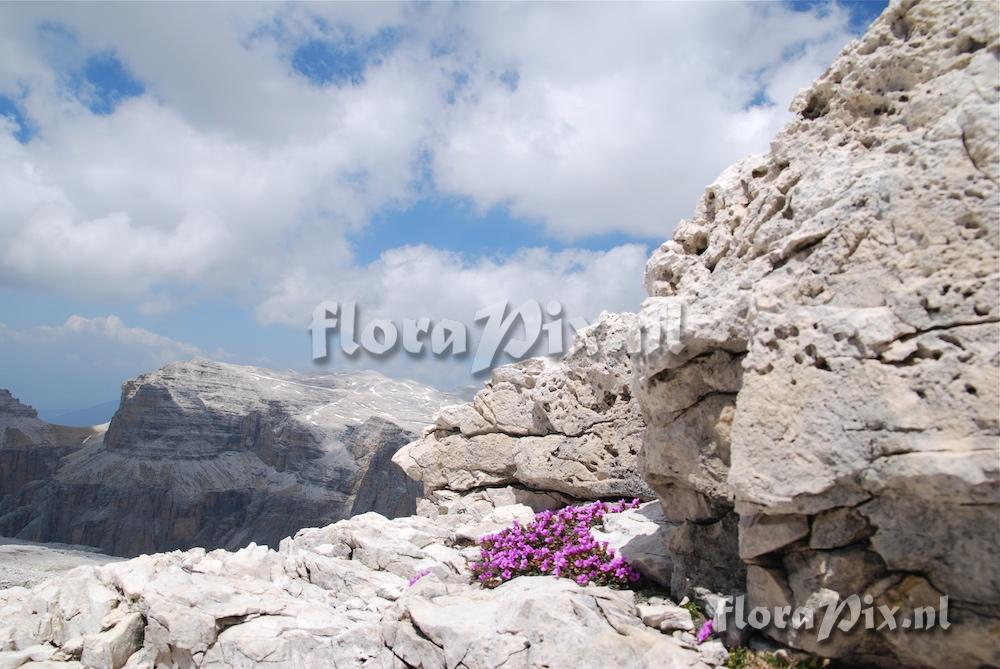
557, 543
706, 631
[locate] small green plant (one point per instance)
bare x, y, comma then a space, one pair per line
696, 614
744, 658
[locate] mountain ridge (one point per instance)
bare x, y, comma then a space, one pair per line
215, 454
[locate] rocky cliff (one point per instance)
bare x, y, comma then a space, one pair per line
830, 426
550, 431
30, 448
208, 454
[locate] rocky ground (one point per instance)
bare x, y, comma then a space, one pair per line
344, 596
26, 564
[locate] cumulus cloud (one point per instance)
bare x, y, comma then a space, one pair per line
233, 174
619, 117
100, 341
416, 281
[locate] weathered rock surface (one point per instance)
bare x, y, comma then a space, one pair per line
641, 535
666, 617
836, 395
336, 596
568, 429
216, 455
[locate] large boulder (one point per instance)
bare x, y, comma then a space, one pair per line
550, 431
829, 421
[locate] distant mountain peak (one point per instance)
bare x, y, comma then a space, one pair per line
13, 407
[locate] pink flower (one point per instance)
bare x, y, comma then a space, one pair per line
419, 575
557, 543
706, 630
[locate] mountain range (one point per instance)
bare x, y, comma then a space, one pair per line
208, 454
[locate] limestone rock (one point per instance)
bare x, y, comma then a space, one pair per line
762, 534
332, 596
483, 502
835, 370
641, 536
211, 454
714, 653
112, 648
666, 617
706, 555
839, 527
513, 626
568, 427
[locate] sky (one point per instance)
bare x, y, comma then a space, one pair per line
192, 179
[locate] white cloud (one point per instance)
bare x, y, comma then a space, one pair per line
100, 341
622, 115
417, 281
234, 176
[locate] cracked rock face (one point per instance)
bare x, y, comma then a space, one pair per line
832, 419
552, 431
337, 596
215, 455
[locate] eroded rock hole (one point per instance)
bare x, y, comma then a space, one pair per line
969, 44
816, 107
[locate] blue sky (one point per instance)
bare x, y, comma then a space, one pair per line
423, 160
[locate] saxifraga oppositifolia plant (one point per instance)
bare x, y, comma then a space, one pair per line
557, 543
